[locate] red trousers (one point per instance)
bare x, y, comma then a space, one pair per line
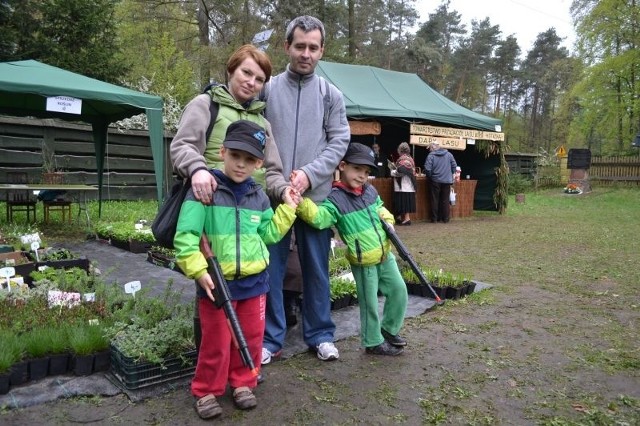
219, 361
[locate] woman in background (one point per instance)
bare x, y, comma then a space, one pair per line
404, 185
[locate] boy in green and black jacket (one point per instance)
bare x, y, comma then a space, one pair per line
356, 209
238, 224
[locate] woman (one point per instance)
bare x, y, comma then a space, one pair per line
248, 69
404, 185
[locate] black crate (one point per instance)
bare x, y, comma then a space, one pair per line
135, 375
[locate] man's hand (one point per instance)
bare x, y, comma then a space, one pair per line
203, 184
299, 181
207, 285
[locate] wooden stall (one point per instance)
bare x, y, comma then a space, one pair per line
465, 190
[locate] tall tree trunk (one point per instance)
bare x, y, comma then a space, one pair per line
203, 37
352, 30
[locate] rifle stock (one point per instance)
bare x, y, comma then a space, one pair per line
222, 298
404, 253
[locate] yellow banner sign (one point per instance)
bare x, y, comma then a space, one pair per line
448, 132
448, 143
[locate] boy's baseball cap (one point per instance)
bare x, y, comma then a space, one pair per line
358, 153
246, 136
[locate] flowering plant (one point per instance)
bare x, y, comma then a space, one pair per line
572, 188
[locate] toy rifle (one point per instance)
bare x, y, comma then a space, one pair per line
404, 254
222, 298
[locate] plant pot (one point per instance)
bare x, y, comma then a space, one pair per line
472, 287
440, 291
53, 178
453, 292
413, 288
82, 364
102, 361
38, 368
58, 364
159, 259
19, 373
5, 384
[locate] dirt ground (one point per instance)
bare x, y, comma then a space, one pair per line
523, 352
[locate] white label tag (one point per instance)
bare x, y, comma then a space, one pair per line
132, 287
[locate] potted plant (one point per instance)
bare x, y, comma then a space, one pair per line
341, 291
37, 346
162, 256
51, 174
85, 340
59, 344
10, 354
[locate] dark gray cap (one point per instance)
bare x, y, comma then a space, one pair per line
246, 136
358, 153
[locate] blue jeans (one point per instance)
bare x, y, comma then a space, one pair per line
313, 249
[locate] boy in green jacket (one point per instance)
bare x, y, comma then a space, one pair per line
356, 209
239, 223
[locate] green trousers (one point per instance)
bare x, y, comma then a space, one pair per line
384, 276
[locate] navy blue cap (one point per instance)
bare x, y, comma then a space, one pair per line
358, 153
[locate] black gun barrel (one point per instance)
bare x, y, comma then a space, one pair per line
404, 253
223, 300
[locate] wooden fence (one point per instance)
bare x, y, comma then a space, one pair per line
128, 164
615, 170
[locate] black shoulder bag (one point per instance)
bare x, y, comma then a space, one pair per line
166, 221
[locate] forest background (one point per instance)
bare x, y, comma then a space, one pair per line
546, 97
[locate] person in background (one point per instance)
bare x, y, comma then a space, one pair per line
381, 160
356, 209
404, 185
440, 168
311, 131
239, 223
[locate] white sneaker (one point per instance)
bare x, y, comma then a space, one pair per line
327, 351
267, 356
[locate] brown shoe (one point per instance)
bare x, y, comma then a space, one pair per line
208, 407
244, 399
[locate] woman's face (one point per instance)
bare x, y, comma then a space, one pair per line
246, 81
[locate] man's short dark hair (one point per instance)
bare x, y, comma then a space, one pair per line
307, 24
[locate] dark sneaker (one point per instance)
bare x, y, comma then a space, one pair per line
208, 407
394, 340
244, 399
385, 348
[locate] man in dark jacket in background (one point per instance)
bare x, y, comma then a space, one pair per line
440, 167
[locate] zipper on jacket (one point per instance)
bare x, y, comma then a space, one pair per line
375, 228
295, 140
358, 251
238, 260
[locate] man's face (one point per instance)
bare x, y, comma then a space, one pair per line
304, 51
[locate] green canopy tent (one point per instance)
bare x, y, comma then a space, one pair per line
26, 85
398, 98
375, 92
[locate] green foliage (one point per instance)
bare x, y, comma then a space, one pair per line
12, 349
339, 287
86, 339
52, 31
519, 183
338, 263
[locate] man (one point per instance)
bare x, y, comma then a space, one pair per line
440, 168
381, 160
309, 123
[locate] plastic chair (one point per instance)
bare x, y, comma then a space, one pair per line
20, 200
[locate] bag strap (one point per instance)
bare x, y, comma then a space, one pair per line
213, 109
